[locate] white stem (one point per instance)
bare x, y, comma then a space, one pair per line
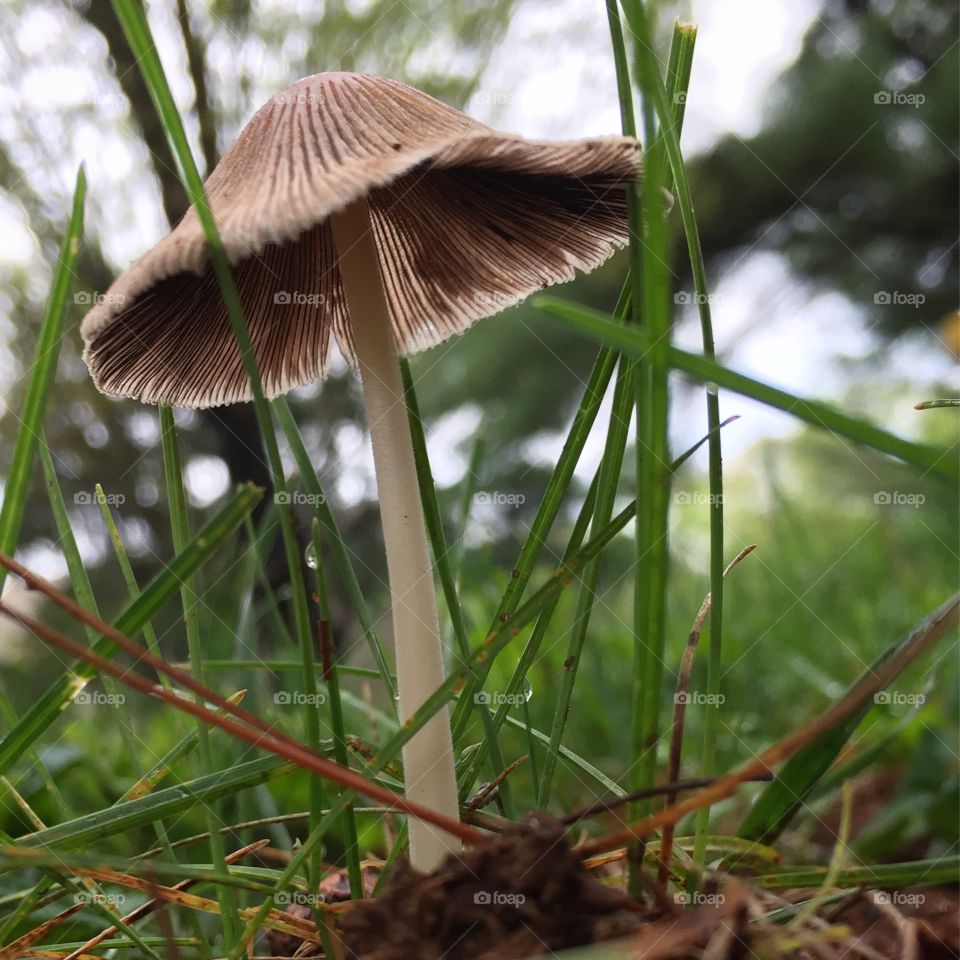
428, 757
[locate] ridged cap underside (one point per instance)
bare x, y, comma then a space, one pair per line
467, 221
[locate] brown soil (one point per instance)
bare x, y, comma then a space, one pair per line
528, 895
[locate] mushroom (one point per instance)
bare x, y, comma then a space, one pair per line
358, 206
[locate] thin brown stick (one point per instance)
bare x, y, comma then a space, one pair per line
286, 748
917, 642
155, 904
491, 788
645, 793
16, 949
680, 712
184, 678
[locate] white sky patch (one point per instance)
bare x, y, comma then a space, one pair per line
350, 470
742, 46
207, 479
448, 459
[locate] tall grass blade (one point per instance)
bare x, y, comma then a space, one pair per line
17, 483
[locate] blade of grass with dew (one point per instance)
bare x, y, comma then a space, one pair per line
816, 413
546, 512
535, 641
180, 530
532, 646
331, 675
495, 642
62, 692
441, 559
17, 481
607, 482
338, 549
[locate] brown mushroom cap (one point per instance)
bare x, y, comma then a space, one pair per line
467, 221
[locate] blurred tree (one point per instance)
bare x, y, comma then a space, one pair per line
854, 176
852, 179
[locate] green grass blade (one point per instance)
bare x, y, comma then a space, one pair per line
17, 482
498, 640
546, 513
607, 482
334, 541
783, 797
920, 873
816, 413
467, 495
62, 692
180, 530
126, 571
90, 830
340, 754
441, 559
535, 641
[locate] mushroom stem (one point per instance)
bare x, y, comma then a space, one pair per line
428, 757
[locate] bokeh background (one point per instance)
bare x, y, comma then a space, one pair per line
821, 138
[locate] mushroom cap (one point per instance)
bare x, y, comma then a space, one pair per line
467, 221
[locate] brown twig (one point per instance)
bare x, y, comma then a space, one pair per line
491, 788
156, 903
611, 803
282, 747
680, 712
920, 639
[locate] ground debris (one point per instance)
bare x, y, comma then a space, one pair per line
517, 896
